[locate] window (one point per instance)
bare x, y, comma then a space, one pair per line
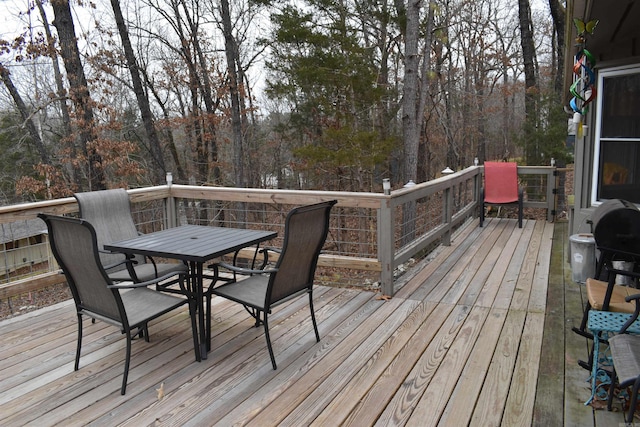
617, 139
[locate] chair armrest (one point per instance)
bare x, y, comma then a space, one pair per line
115, 264
247, 271
635, 314
271, 248
611, 283
129, 285
623, 273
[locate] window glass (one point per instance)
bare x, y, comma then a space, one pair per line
621, 106
618, 155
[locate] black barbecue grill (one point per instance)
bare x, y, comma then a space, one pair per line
615, 225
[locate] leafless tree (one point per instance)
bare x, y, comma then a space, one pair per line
24, 113
79, 91
416, 66
530, 70
558, 15
155, 150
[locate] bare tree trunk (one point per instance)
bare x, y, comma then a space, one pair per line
236, 121
250, 12
79, 90
62, 92
181, 174
528, 47
530, 74
51, 49
155, 149
204, 85
197, 118
24, 113
558, 14
207, 149
410, 100
414, 100
415, 84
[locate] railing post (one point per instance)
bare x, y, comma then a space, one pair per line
551, 192
386, 245
447, 213
170, 205
477, 189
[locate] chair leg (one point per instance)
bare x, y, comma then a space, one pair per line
588, 365
126, 364
606, 257
612, 386
256, 315
79, 344
266, 334
582, 330
520, 208
634, 401
313, 317
481, 207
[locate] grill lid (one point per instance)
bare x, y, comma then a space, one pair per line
616, 226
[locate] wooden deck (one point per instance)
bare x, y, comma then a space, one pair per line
477, 335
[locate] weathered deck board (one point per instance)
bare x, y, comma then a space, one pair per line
550, 391
463, 398
477, 335
394, 354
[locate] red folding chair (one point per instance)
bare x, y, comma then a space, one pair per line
501, 187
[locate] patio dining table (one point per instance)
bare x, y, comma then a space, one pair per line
194, 245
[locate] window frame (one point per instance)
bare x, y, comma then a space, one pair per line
596, 177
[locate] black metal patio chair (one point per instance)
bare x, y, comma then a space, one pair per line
109, 212
126, 305
306, 230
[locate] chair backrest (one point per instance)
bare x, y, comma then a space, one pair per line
74, 245
109, 212
306, 230
500, 182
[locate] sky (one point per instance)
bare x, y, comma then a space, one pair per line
14, 21
11, 23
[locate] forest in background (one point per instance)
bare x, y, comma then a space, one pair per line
301, 94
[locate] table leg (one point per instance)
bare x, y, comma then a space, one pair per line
201, 309
193, 313
208, 296
191, 294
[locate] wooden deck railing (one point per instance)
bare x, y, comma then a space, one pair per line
371, 232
